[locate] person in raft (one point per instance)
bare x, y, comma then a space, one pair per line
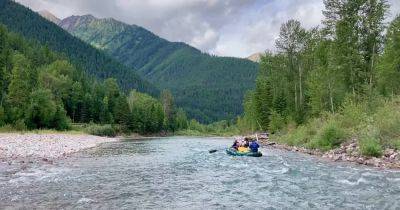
243, 146
236, 144
254, 146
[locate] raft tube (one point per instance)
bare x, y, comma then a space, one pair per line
233, 152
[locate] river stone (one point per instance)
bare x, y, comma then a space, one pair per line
360, 160
388, 152
394, 156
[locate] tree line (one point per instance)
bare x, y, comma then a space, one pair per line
347, 58
42, 89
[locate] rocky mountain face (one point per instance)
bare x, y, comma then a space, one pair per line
209, 88
49, 16
256, 57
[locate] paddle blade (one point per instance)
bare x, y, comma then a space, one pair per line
212, 151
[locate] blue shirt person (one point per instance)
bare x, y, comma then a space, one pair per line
254, 146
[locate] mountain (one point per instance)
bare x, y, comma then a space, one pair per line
256, 57
32, 26
209, 88
49, 16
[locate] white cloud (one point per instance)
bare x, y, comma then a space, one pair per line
224, 27
259, 32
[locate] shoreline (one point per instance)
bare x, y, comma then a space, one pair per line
29, 148
347, 152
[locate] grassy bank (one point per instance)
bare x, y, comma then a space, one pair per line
75, 128
107, 130
375, 125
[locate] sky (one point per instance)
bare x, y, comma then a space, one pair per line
236, 28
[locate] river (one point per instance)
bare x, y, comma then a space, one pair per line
179, 173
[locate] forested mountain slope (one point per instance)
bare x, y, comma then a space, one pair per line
208, 87
32, 26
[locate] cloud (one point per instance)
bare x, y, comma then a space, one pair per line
196, 22
223, 27
259, 31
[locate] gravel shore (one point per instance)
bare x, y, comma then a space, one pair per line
44, 147
348, 151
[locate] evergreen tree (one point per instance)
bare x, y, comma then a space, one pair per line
20, 86
122, 113
263, 102
169, 109
181, 121
389, 66
76, 103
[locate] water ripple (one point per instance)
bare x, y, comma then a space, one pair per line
179, 173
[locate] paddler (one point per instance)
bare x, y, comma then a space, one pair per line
254, 146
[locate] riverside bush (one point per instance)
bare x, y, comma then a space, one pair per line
395, 144
20, 125
297, 137
370, 147
101, 130
352, 115
277, 122
330, 136
387, 122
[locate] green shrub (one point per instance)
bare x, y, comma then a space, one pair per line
387, 122
277, 122
60, 121
330, 136
101, 130
370, 147
20, 125
295, 137
352, 115
395, 144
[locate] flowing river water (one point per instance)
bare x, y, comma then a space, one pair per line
179, 173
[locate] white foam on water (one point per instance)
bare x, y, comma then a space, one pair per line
348, 182
36, 174
393, 179
84, 200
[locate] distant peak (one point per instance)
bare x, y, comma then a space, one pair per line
89, 16
49, 16
256, 57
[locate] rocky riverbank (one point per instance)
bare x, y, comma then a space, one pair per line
30, 148
348, 151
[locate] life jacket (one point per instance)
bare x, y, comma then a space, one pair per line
243, 149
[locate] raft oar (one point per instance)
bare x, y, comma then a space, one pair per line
212, 150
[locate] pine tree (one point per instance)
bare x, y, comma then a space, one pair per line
169, 109
122, 112
76, 97
20, 86
263, 102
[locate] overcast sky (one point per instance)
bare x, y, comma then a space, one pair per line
223, 27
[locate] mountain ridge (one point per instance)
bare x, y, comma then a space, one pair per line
49, 16
31, 25
210, 88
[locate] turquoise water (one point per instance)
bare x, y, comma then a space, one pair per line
179, 173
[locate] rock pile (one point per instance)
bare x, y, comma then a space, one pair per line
349, 151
